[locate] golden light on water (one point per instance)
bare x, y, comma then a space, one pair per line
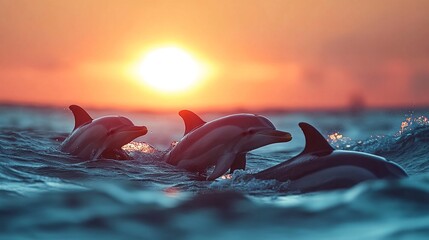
337, 139
411, 122
226, 176
139, 146
170, 69
335, 136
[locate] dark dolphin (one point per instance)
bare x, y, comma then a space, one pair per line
321, 167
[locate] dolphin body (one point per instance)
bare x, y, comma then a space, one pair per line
320, 167
222, 143
101, 137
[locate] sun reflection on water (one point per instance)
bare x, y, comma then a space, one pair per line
139, 146
410, 122
337, 139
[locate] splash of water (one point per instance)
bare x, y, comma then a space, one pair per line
139, 146
339, 140
410, 123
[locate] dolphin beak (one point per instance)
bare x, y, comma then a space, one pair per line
137, 130
278, 135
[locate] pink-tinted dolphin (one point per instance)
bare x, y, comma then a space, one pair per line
101, 137
222, 143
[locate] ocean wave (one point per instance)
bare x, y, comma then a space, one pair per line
408, 147
123, 210
47, 194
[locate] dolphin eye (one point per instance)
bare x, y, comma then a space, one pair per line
111, 132
249, 132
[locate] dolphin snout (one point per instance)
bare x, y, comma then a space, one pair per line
280, 136
140, 130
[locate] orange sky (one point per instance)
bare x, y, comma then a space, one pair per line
263, 54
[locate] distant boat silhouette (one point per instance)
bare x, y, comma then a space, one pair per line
356, 104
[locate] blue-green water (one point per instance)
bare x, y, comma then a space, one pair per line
46, 194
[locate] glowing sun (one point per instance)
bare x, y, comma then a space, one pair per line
170, 69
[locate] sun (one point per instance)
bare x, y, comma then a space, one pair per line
170, 69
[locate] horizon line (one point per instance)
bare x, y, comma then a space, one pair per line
272, 110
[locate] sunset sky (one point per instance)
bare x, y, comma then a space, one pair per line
257, 54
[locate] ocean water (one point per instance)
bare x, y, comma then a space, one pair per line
47, 194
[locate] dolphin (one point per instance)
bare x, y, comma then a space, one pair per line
222, 143
320, 167
101, 137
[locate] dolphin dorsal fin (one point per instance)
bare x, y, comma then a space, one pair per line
191, 120
314, 141
80, 116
